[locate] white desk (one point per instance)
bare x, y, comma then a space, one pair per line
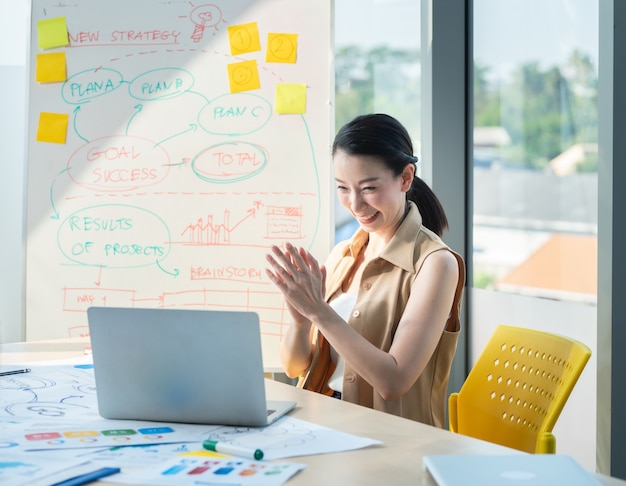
397, 462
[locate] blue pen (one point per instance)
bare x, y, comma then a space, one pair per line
14, 372
89, 477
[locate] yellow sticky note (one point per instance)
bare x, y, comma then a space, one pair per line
244, 38
204, 453
52, 33
243, 76
52, 127
290, 98
282, 48
51, 68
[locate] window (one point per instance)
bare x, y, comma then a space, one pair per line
377, 69
534, 166
535, 183
536, 148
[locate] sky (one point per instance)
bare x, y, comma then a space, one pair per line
505, 31
516, 31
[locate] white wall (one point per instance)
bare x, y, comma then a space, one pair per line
13, 49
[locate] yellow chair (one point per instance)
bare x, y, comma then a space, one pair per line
515, 392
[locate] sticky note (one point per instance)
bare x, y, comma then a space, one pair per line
204, 453
244, 38
243, 76
290, 98
52, 127
52, 33
51, 68
282, 48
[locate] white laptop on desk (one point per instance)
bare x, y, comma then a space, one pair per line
180, 365
507, 470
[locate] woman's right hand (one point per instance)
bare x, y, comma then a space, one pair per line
296, 348
297, 274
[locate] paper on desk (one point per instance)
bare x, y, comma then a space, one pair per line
290, 437
287, 437
34, 469
158, 465
183, 471
50, 393
55, 408
181, 464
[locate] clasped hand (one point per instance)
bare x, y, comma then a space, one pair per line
299, 277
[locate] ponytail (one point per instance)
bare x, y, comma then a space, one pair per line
433, 215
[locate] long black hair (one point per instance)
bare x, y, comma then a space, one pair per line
385, 137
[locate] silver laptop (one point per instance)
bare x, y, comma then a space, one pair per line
180, 365
507, 469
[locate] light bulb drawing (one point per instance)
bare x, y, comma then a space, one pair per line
203, 17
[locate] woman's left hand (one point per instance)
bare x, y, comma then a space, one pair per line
299, 277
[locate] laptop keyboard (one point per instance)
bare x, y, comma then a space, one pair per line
270, 412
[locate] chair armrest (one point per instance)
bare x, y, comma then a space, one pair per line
546, 443
452, 412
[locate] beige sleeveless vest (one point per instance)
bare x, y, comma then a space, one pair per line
383, 294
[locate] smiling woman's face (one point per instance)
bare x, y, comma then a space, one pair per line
375, 197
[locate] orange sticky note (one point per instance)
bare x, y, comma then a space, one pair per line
282, 48
244, 38
51, 68
52, 127
243, 76
290, 98
52, 33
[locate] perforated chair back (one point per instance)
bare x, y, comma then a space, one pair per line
517, 389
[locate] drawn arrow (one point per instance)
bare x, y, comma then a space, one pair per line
200, 95
99, 280
174, 273
180, 164
138, 109
76, 110
192, 128
251, 214
54, 209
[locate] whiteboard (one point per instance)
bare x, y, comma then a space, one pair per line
175, 174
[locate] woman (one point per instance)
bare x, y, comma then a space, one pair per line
378, 324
